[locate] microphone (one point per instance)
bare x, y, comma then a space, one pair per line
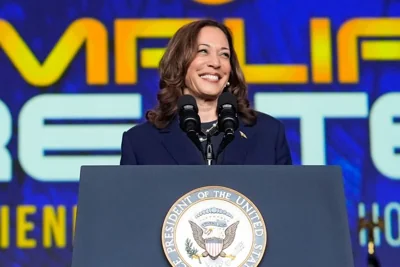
227, 117
189, 120
228, 121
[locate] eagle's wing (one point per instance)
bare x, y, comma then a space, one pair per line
230, 233
198, 235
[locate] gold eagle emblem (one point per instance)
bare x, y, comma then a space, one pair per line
230, 233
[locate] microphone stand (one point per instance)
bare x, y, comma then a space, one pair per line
195, 139
209, 153
229, 135
209, 150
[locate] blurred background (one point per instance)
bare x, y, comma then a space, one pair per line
329, 70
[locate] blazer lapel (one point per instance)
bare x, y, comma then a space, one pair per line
235, 153
179, 146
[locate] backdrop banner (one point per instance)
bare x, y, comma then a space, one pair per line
75, 74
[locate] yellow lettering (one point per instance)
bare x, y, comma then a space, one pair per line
150, 57
4, 227
24, 226
54, 226
348, 63
380, 50
83, 30
93, 35
127, 31
321, 50
73, 221
264, 74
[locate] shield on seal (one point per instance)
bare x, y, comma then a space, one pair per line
214, 246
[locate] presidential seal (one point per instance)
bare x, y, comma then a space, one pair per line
214, 226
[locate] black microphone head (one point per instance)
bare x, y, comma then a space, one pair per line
227, 113
189, 120
187, 100
227, 98
228, 121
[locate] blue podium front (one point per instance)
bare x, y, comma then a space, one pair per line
211, 216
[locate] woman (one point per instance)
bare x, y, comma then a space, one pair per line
200, 61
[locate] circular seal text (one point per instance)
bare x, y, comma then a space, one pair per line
214, 226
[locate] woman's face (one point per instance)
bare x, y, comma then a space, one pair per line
208, 73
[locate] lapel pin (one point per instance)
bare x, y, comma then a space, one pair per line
242, 134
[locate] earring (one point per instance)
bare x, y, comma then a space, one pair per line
227, 84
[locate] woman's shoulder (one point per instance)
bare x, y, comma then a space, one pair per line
141, 130
267, 122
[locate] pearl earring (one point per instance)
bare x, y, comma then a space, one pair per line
227, 84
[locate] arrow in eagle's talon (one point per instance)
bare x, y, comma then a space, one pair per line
198, 257
232, 257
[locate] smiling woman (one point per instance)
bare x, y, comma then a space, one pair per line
200, 61
209, 71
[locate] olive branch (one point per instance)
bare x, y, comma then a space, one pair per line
191, 251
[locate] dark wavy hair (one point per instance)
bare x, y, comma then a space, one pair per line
180, 52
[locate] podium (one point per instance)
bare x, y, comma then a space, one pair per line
274, 216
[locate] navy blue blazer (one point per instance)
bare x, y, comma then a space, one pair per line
261, 144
